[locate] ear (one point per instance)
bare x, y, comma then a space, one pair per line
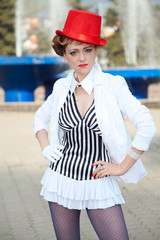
64, 56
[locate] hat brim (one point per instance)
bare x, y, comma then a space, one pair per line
83, 38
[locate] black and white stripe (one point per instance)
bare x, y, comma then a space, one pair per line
83, 141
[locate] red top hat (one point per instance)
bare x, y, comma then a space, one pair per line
84, 27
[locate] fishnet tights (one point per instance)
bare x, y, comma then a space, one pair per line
66, 222
109, 223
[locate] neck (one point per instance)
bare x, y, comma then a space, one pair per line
79, 78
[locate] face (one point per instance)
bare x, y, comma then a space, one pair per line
81, 57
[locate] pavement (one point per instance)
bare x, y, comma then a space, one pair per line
24, 215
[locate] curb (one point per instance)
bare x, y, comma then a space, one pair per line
151, 103
19, 106
33, 106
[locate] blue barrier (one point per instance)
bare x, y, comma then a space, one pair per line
20, 76
138, 79
18, 96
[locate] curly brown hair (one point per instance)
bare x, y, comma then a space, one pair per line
59, 44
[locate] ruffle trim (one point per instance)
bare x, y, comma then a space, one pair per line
73, 194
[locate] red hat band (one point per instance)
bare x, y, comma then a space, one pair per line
84, 27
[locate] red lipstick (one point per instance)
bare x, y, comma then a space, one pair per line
83, 65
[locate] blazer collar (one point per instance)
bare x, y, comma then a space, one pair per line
95, 77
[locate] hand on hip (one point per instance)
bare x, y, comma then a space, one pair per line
53, 154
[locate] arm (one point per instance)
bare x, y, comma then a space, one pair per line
41, 120
140, 117
137, 113
128, 161
42, 136
49, 152
43, 115
114, 169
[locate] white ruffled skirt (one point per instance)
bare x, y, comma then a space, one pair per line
74, 194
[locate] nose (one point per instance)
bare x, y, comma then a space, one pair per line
81, 56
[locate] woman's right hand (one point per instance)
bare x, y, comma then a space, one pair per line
53, 154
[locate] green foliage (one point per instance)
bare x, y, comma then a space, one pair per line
116, 56
76, 4
115, 49
7, 23
114, 46
43, 44
156, 13
111, 17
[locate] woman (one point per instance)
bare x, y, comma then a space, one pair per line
89, 146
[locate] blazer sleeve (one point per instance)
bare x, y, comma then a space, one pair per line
43, 115
137, 113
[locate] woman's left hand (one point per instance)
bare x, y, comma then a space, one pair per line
107, 169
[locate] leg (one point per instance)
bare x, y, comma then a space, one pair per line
109, 223
65, 221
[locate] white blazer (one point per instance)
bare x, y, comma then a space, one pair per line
113, 100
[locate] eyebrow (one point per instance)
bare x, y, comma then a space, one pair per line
75, 49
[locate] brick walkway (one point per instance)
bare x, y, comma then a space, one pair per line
24, 214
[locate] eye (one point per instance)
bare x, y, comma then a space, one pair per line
88, 50
73, 53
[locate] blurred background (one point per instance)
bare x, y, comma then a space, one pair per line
131, 27
28, 70
27, 27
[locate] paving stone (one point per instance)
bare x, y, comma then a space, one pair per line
25, 215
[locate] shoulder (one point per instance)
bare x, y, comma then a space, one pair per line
114, 80
60, 82
114, 83
63, 82
110, 83
107, 78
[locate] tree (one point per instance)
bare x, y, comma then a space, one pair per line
7, 29
43, 45
147, 40
76, 4
114, 46
156, 14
